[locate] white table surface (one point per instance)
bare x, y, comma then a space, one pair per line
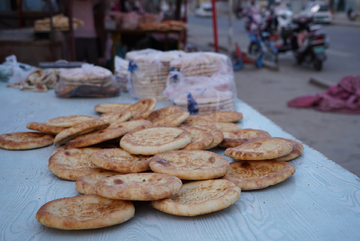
319, 202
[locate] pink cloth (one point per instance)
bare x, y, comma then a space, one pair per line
343, 97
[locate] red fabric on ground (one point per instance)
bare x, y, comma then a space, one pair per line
343, 97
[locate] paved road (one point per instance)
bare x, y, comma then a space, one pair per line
334, 135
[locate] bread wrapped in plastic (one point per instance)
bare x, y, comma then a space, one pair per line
87, 81
202, 83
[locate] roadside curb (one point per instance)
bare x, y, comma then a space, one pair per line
347, 24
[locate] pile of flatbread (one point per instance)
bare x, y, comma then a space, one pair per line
202, 83
149, 71
87, 81
132, 152
60, 22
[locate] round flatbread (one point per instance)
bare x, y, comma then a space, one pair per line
68, 121
200, 197
119, 160
260, 149
172, 119
237, 138
190, 165
84, 212
155, 140
59, 148
25, 140
80, 129
70, 164
142, 109
139, 186
198, 121
116, 116
111, 107
217, 135
96, 137
160, 114
224, 116
87, 183
296, 151
251, 175
200, 138
227, 127
132, 125
40, 127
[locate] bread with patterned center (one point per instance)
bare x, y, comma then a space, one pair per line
251, 175
155, 140
200, 138
68, 121
84, 212
224, 116
40, 127
111, 107
260, 149
190, 165
239, 137
25, 140
119, 160
87, 183
200, 197
70, 164
217, 135
142, 109
139, 186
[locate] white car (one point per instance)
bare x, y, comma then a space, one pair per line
319, 11
203, 10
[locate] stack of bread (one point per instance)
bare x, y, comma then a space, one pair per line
148, 73
202, 83
87, 81
59, 22
174, 146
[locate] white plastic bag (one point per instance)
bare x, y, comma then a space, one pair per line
13, 71
202, 83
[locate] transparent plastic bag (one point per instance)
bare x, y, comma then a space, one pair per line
87, 81
13, 71
121, 72
202, 83
148, 73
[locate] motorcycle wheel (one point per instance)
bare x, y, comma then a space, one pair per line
317, 65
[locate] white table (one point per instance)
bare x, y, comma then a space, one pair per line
321, 201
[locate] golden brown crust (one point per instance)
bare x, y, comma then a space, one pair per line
84, 212
237, 138
217, 135
80, 129
224, 116
111, 107
25, 140
172, 119
40, 127
190, 165
200, 138
142, 109
251, 175
225, 126
160, 114
119, 160
87, 183
260, 149
68, 121
117, 117
70, 164
132, 125
155, 140
200, 197
194, 120
296, 151
96, 138
139, 186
